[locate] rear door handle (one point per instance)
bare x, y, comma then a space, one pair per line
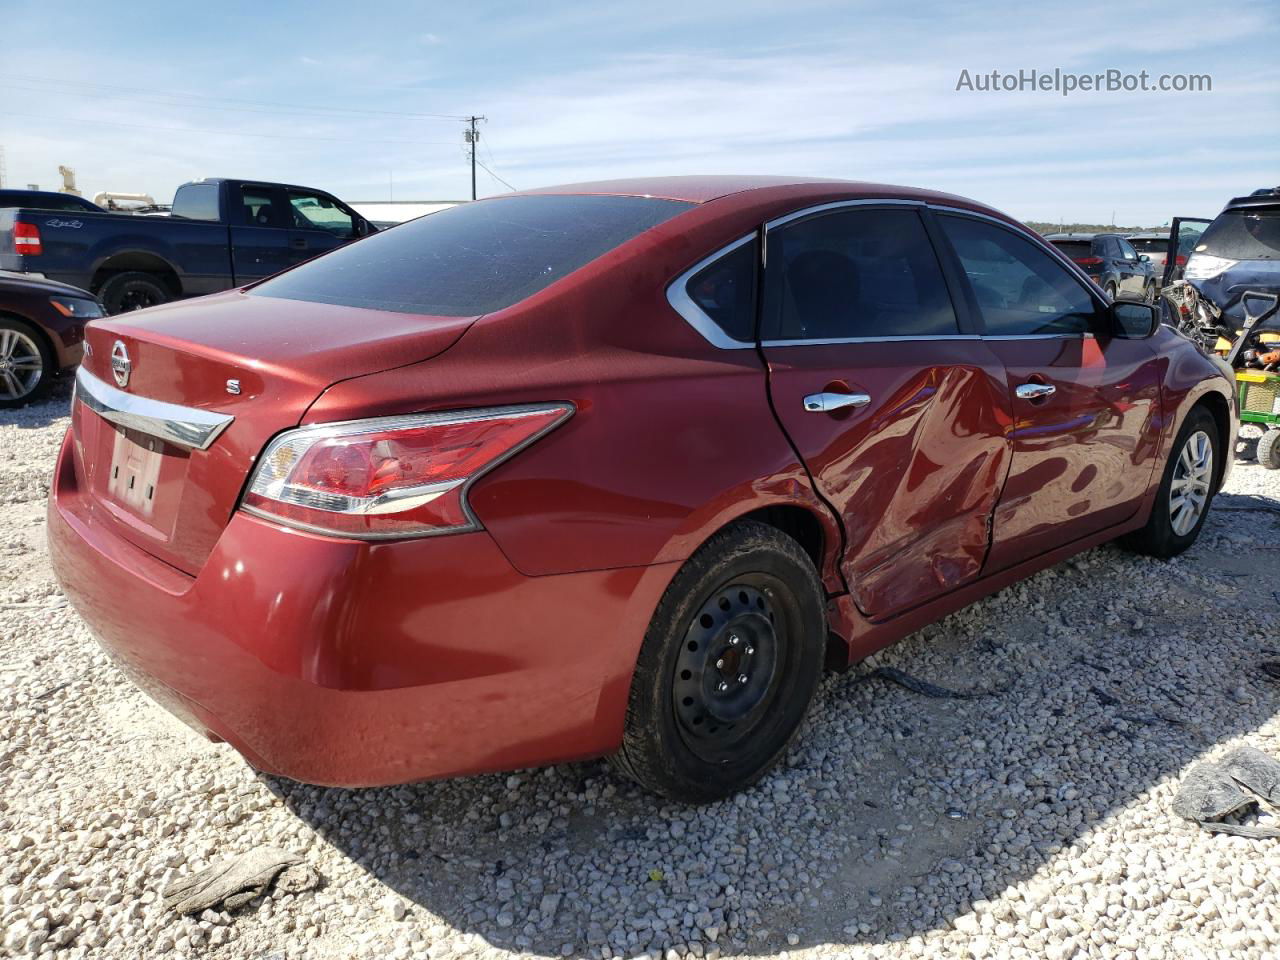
830, 402
299, 243
1034, 391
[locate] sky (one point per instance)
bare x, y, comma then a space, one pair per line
363, 99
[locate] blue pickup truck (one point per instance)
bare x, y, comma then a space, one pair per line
220, 234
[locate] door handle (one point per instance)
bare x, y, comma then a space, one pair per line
831, 402
299, 243
1035, 391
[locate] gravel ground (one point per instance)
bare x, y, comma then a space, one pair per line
1033, 822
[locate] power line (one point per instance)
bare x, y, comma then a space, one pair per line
233, 100
495, 176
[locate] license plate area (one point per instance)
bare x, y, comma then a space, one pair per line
135, 471
139, 479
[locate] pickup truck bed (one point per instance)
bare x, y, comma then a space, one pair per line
221, 234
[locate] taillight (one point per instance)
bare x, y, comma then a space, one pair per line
26, 239
394, 476
1180, 260
1089, 261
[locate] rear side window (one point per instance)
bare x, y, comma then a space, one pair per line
854, 273
473, 258
1243, 235
726, 291
196, 201
1020, 289
260, 207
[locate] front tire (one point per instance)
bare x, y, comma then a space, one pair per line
133, 290
1186, 490
728, 667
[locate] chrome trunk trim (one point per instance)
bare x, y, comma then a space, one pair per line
181, 426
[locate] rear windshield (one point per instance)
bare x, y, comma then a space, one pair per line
1074, 248
473, 258
1243, 235
1150, 245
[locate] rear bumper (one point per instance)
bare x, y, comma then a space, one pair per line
361, 664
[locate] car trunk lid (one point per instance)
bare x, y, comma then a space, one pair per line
260, 361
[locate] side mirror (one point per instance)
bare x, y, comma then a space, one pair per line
1144, 258
1133, 321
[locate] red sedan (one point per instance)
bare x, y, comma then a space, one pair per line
613, 468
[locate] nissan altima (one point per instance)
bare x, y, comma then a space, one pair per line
608, 469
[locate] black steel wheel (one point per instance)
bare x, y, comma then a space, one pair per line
135, 290
728, 667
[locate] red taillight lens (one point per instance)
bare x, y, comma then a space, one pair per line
391, 477
1180, 260
26, 239
1088, 261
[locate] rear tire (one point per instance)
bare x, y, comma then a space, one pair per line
728, 667
133, 290
1111, 291
1187, 485
1149, 294
1269, 449
27, 364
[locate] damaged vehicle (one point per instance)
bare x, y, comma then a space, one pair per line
1239, 252
608, 469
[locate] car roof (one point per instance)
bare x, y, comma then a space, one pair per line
703, 189
1259, 199
1148, 236
1078, 236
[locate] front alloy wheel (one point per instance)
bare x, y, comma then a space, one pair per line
1186, 490
1192, 478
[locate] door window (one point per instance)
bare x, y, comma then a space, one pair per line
1020, 289
855, 273
259, 206
315, 211
1127, 249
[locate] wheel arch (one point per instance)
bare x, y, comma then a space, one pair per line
39, 331
819, 537
143, 261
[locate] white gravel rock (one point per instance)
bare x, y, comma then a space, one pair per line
1034, 823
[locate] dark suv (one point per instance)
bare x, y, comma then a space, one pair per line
1111, 262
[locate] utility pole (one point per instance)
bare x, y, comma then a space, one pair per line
472, 136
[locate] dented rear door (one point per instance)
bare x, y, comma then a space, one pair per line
900, 415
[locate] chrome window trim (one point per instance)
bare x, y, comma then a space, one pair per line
182, 426
682, 303
839, 205
885, 339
